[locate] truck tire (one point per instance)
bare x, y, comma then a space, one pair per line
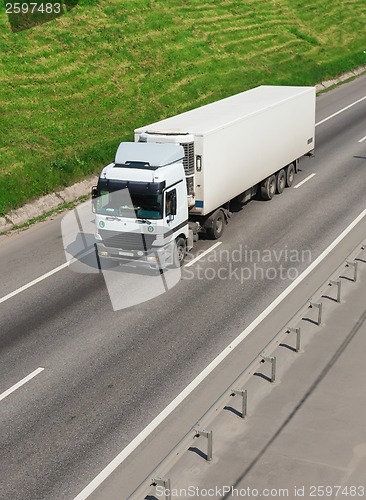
290, 175
268, 188
280, 181
179, 252
217, 224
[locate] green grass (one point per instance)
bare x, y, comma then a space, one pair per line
73, 88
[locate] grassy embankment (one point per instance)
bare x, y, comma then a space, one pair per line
72, 89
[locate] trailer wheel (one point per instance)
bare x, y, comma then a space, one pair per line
217, 224
268, 188
179, 252
280, 181
290, 175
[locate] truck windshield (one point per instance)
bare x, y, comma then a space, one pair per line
123, 203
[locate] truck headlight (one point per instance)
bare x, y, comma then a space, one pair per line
152, 258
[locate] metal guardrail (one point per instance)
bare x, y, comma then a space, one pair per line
201, 428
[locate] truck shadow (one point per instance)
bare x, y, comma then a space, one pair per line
81, 254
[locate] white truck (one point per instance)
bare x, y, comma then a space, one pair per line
178, 178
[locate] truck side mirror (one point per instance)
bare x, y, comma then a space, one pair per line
94, 195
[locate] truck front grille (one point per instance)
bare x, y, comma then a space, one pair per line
127, 241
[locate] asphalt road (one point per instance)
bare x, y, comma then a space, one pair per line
108, 373
303, 434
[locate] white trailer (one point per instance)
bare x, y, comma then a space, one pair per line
234, 148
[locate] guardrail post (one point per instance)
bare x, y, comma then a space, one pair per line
319, 306
208, 435
165, 482
353, 264
272, 360
298, 337
244, 395
338, 283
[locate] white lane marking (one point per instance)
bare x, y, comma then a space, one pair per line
34, 282
98, 480
303, 182
203, 254
340, 111
74, 259
363, 139
46, 275
20, 383
21, 289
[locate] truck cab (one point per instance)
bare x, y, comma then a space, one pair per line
140, 206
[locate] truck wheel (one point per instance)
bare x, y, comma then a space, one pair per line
280, 181
179, 252
290, 175
217, 225
268, 188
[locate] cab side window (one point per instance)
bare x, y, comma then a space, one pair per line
171, 203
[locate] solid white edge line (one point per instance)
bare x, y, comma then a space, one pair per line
363, 139
203, 254
303, 181
97, 481
340, 111
20, 383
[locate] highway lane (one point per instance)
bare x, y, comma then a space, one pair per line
107, 374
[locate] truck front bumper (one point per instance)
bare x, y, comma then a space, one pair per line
156, 258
